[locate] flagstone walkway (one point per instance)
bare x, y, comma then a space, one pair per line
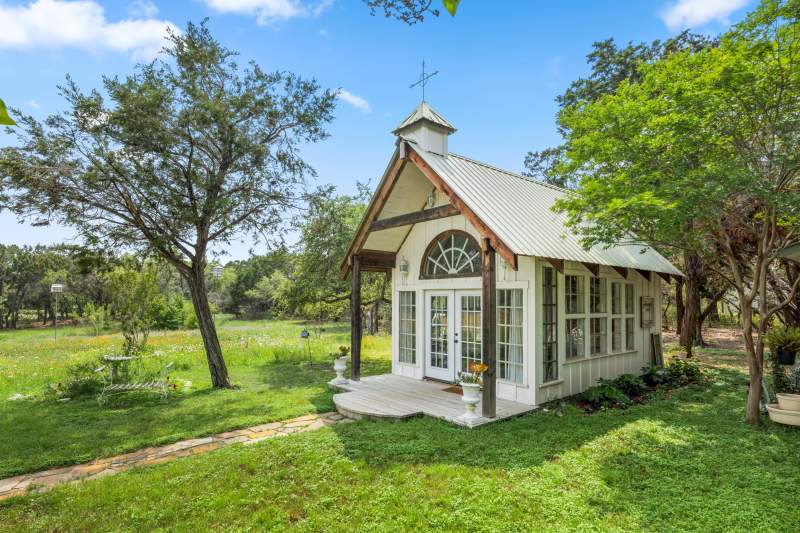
47, 479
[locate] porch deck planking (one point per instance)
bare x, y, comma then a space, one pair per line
397, 397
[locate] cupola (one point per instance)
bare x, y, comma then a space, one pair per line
427, 128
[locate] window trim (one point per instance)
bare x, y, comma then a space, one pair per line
522, 364
555, 361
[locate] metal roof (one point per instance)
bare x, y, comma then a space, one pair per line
519, 211
425, 112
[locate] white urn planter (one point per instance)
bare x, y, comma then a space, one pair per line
339, 366
788, 402
471, 395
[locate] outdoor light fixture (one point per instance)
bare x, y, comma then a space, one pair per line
431, 199
404, 266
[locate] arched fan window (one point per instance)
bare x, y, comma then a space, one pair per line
453, 254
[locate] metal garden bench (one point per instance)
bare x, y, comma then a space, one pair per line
159, 385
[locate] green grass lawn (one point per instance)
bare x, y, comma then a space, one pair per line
684, 461
268, 360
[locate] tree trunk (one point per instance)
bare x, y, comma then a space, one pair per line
691, 315
374, 310
755, 365
679, 309
205, 321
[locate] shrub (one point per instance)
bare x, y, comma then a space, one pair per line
781, 338
630, 385
605, 394
168, 313
190, 318
655, 375
682, 371
82, 380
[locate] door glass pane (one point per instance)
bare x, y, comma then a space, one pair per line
470, 334
439, 311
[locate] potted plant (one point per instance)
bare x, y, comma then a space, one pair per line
784, 344
471, 388
340, 364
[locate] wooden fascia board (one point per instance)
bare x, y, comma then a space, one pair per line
663, 276
644, 273
376, 205
377, 259
505, 252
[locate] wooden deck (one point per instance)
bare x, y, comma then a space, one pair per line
391, 396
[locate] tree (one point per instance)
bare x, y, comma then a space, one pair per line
703, 155
612, 66
410, 11
188, 151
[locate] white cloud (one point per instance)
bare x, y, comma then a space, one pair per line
143, 9
79, 24
688, 13
31, 104
269, 11
354, 100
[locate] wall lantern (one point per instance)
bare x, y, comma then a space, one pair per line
404, 266
431, 199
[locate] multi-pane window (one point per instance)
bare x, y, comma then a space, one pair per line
630, 343
575, 304
470, 331
616, 334
598, 333
549, 324
509, 335
408, 327
622, 311
575, 337
597, 295
597, 336
573, 295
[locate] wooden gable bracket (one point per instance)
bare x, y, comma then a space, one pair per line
644, 273
594, 268
622, 271
408, 219
377, 260
663, 276
558, 264
505, 252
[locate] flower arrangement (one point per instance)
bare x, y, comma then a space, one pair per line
342, 353
474, 375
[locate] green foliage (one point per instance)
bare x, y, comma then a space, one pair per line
168, 312
5, 118
95, 316
189, 315
629, 384
780, 380
783, 338
83, 379
682, 371
655, 375
605, 394
451, 6
133, 292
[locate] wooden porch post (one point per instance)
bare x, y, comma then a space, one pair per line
489, 328
355, 320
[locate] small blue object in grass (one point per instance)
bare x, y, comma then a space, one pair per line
304, 334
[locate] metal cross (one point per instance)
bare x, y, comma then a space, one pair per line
423, 80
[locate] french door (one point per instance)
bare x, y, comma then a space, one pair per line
453, 332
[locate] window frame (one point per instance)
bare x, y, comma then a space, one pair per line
436, 240
522, 334
582, 315
400, 333
551, 364
603, 299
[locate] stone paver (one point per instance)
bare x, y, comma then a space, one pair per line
47, 479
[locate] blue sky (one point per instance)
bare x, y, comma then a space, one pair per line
501, 65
